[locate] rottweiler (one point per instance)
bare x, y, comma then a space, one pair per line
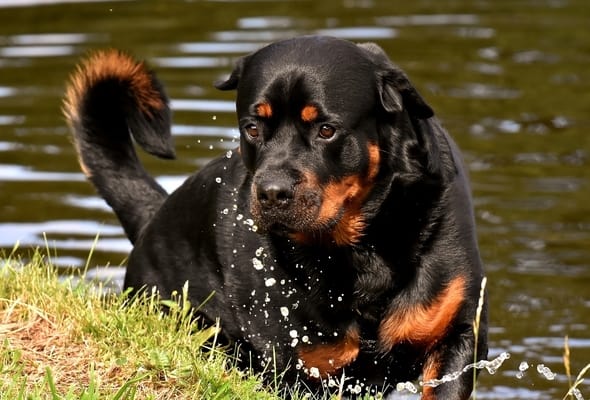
338, 238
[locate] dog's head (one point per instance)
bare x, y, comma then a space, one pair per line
310, 113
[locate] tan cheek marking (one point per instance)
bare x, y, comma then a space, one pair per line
264, 110
335, 194
374, 160
349, 193
309, 113
345, 196
423, 325
332, 357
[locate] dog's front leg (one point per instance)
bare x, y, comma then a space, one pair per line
444, 376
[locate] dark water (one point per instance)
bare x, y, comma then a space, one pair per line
509, 79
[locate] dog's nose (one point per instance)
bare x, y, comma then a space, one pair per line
274, 194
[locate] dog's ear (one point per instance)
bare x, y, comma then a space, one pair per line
395, 88
231, 83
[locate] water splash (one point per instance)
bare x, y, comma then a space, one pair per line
491, 366
257, 264
546, 372
522, 367
284, 312
577, 394
409, 386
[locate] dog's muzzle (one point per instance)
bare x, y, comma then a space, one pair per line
281, 203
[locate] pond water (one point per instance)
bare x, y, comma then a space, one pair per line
510, 79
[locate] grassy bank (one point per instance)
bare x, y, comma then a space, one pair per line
61, 339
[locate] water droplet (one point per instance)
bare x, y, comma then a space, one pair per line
576, 392
284, 312
270, 282
259, 251
257, 264
546, 372
299, 364
314, 372
293, 333
229, 154
218, 179
356, 389
409, 386
522, 367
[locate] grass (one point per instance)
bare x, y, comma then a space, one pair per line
63, 338
573, 392
60, 338
476, 323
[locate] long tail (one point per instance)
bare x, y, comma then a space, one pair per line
109, 98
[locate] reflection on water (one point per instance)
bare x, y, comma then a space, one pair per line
511, 81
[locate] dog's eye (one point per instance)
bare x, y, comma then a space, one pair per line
252, 130
327, 131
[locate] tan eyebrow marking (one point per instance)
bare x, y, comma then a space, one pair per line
264, 110
309, 113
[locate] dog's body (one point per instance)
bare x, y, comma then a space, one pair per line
339, 238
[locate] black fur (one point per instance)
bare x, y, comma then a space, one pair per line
309, 242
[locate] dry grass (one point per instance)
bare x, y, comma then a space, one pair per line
62, 339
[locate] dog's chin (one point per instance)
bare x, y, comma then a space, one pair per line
276, 226
283, 224
305, 228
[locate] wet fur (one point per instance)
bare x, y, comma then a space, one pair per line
353, 252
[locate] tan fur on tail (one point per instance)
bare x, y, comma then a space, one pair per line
110, 64
105, 65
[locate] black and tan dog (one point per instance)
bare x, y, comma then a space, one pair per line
339, 238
